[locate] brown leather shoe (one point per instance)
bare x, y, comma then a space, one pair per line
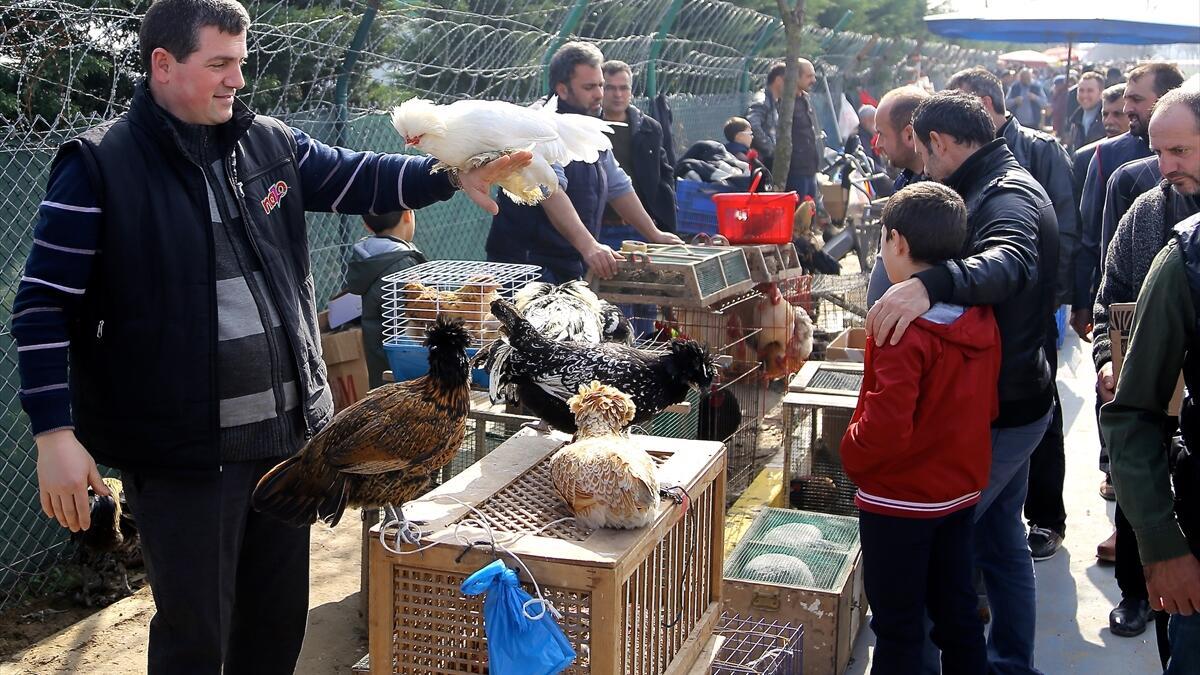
1107, 550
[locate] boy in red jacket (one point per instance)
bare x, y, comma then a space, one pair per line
919, 447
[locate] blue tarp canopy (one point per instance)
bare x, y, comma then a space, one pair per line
1002, 26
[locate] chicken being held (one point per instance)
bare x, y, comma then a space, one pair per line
603, 476
381, 450
468, 134
544, 373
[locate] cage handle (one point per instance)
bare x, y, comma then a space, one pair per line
639, 258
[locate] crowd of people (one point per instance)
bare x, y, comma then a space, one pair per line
165, 325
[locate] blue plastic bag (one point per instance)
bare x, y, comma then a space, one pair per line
517, 645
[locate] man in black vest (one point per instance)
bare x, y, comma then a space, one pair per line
1144, 462
166, 326
559, 235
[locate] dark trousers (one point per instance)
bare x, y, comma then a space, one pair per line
912, 566
1048, 465
230, 584
1130, 577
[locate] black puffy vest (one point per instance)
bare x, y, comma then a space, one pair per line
143, 350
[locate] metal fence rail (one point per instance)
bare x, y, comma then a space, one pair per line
327, 67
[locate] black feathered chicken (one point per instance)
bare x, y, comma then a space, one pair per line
381, 450
544, 373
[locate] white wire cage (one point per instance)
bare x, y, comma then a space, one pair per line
457, 289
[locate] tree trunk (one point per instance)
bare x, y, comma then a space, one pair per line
793, 22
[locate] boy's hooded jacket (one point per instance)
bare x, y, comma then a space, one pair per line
919, 443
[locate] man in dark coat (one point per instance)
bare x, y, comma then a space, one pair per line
638, 148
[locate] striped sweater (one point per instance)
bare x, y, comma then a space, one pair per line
61, 262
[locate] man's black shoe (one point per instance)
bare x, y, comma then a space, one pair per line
1129, 618
1043, 542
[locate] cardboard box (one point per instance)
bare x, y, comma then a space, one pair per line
345, 361
849, 345
1120, 315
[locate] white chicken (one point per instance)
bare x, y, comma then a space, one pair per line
784, 340
468, 134
603, 476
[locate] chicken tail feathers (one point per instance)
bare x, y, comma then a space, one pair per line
291, 493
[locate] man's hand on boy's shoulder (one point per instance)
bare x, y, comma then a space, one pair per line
899, 307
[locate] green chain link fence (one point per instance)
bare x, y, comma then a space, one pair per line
329, 68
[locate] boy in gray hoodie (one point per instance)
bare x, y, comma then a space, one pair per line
388, 250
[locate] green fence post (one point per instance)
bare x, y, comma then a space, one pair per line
656, 47
768, 32
341, 92
569, 25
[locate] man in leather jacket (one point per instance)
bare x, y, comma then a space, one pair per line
1009, 262
166, 326
1045, 159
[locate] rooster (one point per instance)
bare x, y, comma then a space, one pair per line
544, 373
382, 450
468, 134
603, 476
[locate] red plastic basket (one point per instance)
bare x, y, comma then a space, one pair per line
756, 217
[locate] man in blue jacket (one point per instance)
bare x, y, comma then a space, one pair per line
166, 326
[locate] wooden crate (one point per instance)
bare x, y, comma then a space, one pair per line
773, 262
678, 275
836, 378
832, 608
618, 590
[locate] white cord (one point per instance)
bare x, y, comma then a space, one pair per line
410, 533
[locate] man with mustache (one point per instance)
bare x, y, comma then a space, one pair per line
1146, 84
1141, 233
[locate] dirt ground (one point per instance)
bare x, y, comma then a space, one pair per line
113, 640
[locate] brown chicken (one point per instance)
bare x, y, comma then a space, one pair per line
382, 450
605, 479
469, 304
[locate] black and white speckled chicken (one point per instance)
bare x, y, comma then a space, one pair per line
568, 312
545, 374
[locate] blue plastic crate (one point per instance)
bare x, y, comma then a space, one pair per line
694, 195
408, 362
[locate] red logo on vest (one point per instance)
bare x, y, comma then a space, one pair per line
274, 196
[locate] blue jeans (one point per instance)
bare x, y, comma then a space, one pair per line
1002, 550
1184, 633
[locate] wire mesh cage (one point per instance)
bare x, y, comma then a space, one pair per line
804, 569
679, 274
813, 428
840, 301
757, 646
730, 409
458, 289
